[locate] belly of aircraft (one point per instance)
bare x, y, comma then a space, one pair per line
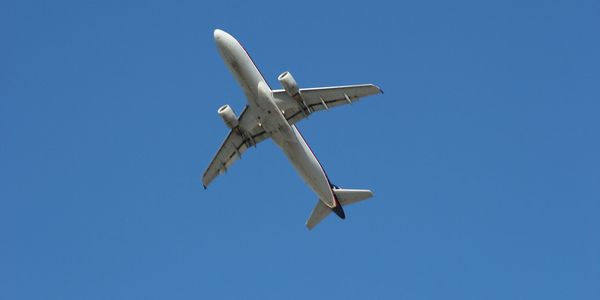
306, 164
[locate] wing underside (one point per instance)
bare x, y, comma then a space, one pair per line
236, 143
321, 98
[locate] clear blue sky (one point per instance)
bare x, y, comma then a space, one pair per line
483, 153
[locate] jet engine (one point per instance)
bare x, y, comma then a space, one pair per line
288, 83
226, 112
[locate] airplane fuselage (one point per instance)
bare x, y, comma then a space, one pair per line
271, 118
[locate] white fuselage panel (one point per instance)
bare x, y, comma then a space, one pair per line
306, 163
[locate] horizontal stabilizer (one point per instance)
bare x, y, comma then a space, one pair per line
318, 214
344, 196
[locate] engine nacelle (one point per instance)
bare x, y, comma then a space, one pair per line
288, 83
226, 112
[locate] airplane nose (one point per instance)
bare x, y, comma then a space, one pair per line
218, 34
225, 42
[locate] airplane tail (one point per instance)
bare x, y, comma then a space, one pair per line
343, 197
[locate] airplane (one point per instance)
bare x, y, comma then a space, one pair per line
273, 114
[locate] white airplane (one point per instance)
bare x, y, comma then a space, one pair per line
273, 114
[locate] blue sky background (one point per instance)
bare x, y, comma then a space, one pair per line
482, 153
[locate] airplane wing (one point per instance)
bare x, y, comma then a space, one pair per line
316, 99
237, 142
